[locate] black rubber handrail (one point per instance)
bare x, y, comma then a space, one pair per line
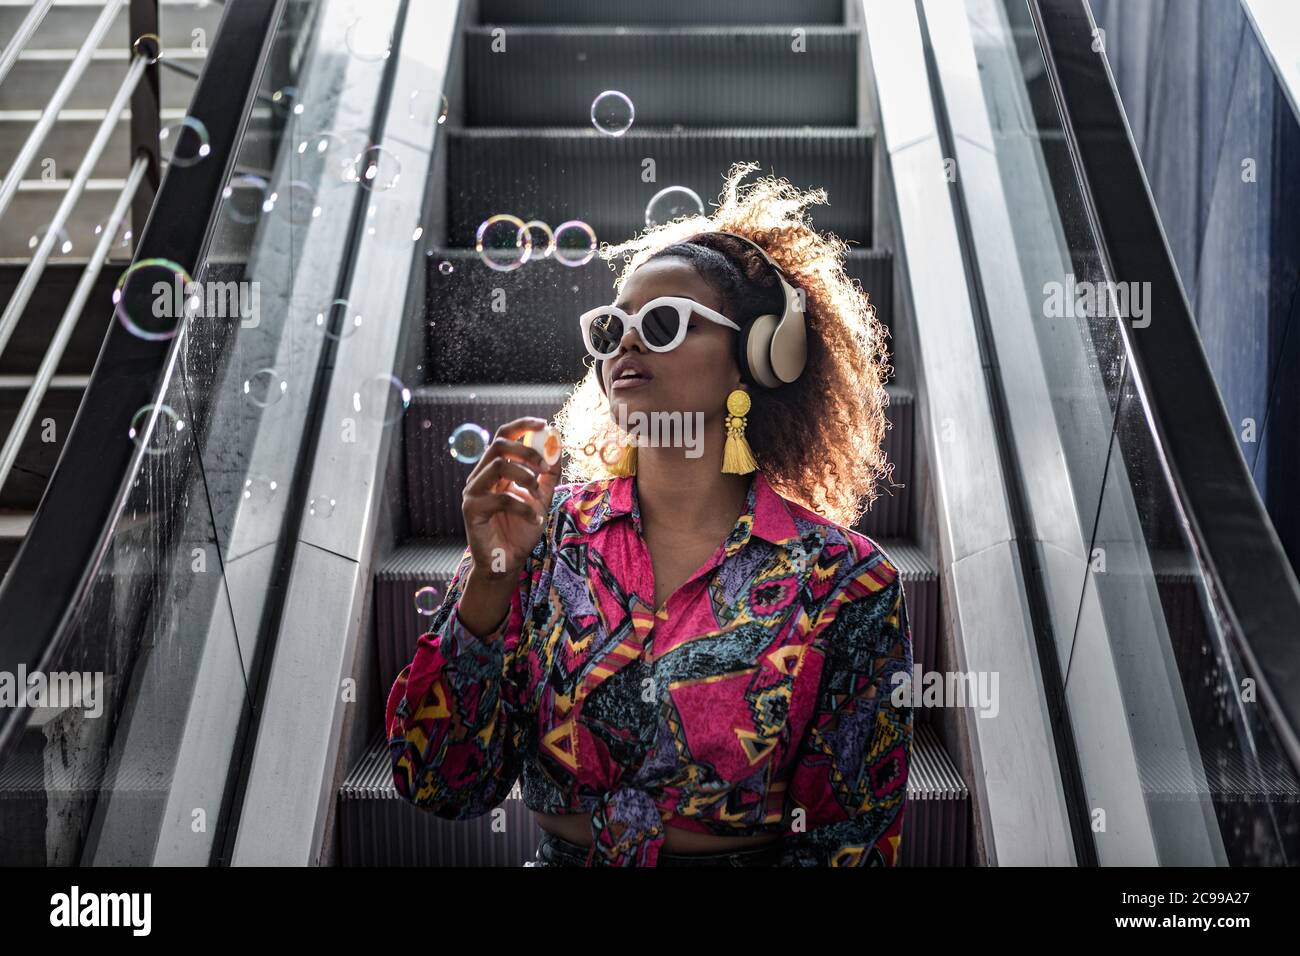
73, 524
1236, 545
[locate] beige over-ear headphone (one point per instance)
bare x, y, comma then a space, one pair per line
772, 350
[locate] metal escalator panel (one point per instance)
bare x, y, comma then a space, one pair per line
139, 599
1171, 603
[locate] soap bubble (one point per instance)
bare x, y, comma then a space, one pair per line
265, 387
244, 198
148, 314
611, 452
297, 203
187, 140
260, 487
369, 39
124, 235
62, 243
382, 398
468, 443
503, 242
548, 237
156, 429
321, 506
427, 601
338, 320
575, 243
375, 168
612, 113
672, 203
427, 108
338, 151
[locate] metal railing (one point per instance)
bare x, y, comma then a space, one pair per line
139, 90
67, 537
23, 34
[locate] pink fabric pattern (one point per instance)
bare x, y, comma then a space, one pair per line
760, 699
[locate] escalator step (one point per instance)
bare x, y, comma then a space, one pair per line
398, 625
630, 13
921, 592
748, 76
378, 828
937, 819
890, 514
558, 175
434, 479
507, 327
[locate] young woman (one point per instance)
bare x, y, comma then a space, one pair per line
684, 650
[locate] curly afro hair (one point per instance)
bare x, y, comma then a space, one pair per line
818, 439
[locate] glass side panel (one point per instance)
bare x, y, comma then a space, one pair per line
1178, 760
134, 765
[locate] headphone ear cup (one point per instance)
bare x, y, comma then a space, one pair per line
755, 346
787, 349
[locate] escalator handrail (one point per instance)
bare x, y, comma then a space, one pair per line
73, 525
1235, 543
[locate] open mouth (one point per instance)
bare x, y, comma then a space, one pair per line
631, 377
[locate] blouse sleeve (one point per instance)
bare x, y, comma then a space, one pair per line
456, 716
849, 777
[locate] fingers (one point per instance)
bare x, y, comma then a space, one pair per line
503, 469
505, 445
511, 476
513, 429
496, 501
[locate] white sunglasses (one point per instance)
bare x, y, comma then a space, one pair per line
661, 323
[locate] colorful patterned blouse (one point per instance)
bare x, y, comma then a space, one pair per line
759, 699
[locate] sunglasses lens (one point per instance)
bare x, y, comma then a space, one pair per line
606, 333
660, 326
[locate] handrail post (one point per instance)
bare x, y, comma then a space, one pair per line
146, 122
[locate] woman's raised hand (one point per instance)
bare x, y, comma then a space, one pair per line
506, 499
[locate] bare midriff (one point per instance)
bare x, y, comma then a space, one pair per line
576, 828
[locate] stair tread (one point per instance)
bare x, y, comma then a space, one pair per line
531, 392
14, 524
80, 115
798, 134
24, 382
515, 12
103, 53
610, 30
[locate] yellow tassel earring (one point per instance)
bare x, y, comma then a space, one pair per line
626, 462
737, 456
